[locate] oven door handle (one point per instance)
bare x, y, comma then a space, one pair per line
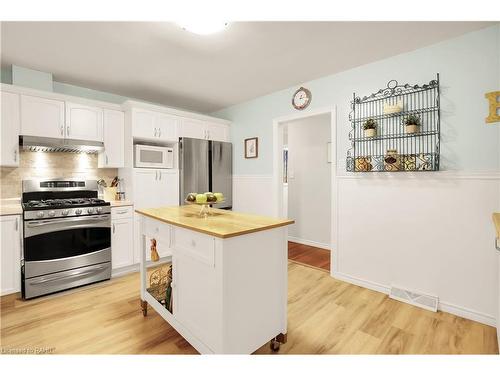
69, 275
40, 223
35, 228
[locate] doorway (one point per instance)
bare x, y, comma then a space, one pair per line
305, 184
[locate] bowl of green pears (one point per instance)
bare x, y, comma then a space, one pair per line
204, 198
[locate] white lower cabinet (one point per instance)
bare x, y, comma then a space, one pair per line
10, 261
229, 294
122, 237
196, 298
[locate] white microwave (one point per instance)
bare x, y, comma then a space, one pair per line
153, 156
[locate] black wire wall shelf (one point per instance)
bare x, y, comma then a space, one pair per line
390, 145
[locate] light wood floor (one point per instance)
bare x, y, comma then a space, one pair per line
324, 316
310, 255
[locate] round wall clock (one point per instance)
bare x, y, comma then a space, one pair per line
302, 98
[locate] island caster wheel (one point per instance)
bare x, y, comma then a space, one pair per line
275, 345
144, 308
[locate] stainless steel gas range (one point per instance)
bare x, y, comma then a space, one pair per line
67, 236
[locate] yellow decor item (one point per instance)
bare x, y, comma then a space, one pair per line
494, 106
392, 161
409, 162
154, 253
109, 193
363, 164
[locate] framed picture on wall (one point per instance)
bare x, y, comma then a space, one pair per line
251, 148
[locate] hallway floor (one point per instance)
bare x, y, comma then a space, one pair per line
309, 255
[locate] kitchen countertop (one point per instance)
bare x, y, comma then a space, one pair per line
121, 203
10, 206
222, 223
13, 206
496, 222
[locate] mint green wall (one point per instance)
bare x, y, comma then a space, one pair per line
35, 79
43, 81
67, 89
6, 75
469, 66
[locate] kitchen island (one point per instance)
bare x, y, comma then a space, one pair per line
229, 276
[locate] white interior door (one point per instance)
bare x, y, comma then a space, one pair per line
83, 122
10, 117
42, 117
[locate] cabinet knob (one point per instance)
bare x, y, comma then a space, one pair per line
15, 154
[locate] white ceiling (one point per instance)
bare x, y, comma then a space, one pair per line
159, 62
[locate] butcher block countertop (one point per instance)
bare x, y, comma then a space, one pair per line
11, 206
496, 221
222, 223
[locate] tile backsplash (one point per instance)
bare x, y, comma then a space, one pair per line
39, 165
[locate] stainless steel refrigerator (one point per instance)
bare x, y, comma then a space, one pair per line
206, 166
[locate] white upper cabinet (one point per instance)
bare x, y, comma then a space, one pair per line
154, 126
10, 126
143, 124
114, 138
155, 187
42, 117
193, 128
217, 132
167, 127
84, 122
167, 188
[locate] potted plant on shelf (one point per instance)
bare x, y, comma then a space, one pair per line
412, 124
370, 128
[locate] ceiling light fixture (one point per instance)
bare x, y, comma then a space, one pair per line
204, 27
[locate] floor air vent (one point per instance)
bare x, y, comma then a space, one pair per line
418, 299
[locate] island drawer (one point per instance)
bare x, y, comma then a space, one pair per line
196, 245
122, 212
155, 229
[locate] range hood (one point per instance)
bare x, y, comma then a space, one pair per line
60, 145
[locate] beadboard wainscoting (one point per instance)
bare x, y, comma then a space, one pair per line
38, 165
427, 232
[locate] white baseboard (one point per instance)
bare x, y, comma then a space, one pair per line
443, 306
309, 242
467, 313
124, 270
360, 282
